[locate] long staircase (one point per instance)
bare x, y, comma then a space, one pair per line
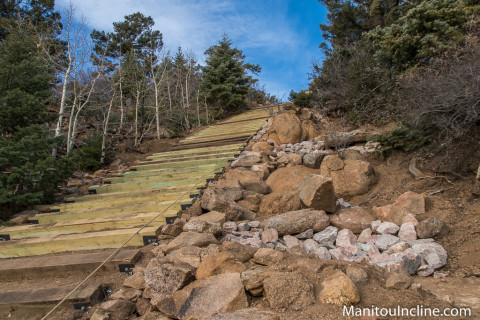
77, 235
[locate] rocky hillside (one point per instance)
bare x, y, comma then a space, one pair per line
308, 220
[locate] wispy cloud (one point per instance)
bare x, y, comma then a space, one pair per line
262, 29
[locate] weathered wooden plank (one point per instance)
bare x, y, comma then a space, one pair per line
89, 224
75, 242
194, 151
66, 263
90, 294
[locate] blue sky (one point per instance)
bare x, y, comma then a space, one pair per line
282, 36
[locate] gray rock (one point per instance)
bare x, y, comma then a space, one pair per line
435, 255
291, 241
311, 246
375, 224
313, 160
295, 222
357, 275
324, 253
432, 228
305, 235
407, 232
345, 238
411, 263
243, 227
326, 237
230, 226
387, 228
385, 241
270, 235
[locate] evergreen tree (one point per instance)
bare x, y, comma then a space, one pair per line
225, 82
28, 174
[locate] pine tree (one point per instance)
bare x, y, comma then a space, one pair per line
225, 82
28, 173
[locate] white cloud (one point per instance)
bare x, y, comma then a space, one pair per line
262, 29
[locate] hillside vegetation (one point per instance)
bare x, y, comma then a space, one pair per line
414, 62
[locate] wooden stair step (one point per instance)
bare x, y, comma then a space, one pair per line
75, 242
65, 264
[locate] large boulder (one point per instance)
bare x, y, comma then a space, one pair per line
163, 277
194, 239
409, 203
189, 254
295, 222
355, 219
256, 186
310, 129
218, 263
279, 202
289, 178
316, 191
289, 291
339, 290
350, 177
204, 298
218, 200
286, 128
231, 178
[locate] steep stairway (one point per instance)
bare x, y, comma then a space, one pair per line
76, 235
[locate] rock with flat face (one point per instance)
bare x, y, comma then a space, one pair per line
163, 277
345, 238
194, 239
218, 263
350, 177
385, 241
326, 237
355, 219
387, 228
286, 128
256, 186
288, 291
279, 202
204, 298
339, 290
435, 255
409, 203
316, 191
432, 228
407, 232
295, 222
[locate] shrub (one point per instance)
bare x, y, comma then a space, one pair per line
87, 158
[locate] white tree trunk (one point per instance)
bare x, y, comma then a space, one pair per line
105, 131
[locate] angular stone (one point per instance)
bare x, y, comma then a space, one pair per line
311, 246
253, 281
267, 256
204, 298
212, 217
189, 254
352, 178
217, 200
136, 281
398, 280
270, 235
387, 228
357, 275
411, 263
162, 278
279, 202
375, 224
339, 290
254, 224
256, 186
305, 235
355, 219
191, 239
435, 255
288, 291
432, 228
326, 237
316, 191
202, 226
323, 253
294, 158
291, 241
230, 226
407, 232
398, 247
410, 218
117, 309
425, 271
218, 263
345, 238
295, 222
243, 227
130, 294
171, 230
408, 203
385, 241
246, 161
240, 253
313, 160
337, 254
364, 235
143, 306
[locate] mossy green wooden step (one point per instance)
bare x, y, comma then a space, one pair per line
104, 212
88, 225
75, 242
181, 164
203, 150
